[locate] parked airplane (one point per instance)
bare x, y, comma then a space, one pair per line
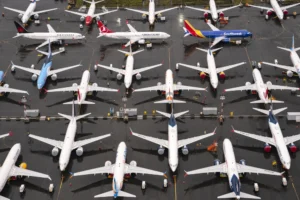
24, 16
216, 34
5, 88
294, 58
91, 13
83, 89
233, 171
261, 88
68, 144
212, 71
277, 138
129, 70
8, 169
169, 89
41, 75
133, 36
280, 12
50, 36
173, 144
215, 14
151, 14
118, 170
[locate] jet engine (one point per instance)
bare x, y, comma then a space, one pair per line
138, 76
158, 91
221, 15
119, 76
289, 73
98, 18
54, 77
106, 164
74, 85
270, 12
142, 41
217, 162
293, 148
134, 164
202, 75
36, 16
20, 16
267, 148
206, 15
285, 12
179, 91
55, 151
247, 84
243, 162
34, 77
6, 85
144, 16
82, 18
185, 150
79, 151
161, 150
222, 75
269, 83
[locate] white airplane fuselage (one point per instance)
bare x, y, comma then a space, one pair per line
53, 36
132, 35
90, 14
296, 61
28, 13
83, 87
169, 86
151, 16
119, 168
173, 146
261, 86
67, 145
213, 10
277, 9
128, 71
212, 69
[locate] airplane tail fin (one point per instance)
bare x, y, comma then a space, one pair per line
76, 102
269, 101
242, 195
20, 28
115, 195
103, 28
189, 28
266, 112
168, 101
186, 32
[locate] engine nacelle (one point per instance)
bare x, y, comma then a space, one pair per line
20, 16
6, 85
158, 91
202, 75
95, 85
142, 41
134, 164
82, 18
226, 40
267, 148
185, 150
221, 14
107, 163
289, 73
138, 76
54, 77
12, 68
262, 11
79, 151
285, 12
217, 162
248, 83
54, 151
144, 16
270, 12
205, 15
119, 76
243, 162
32, 66
179, 83
222, 75
36, 16
161, 150
74, 85
34, 77
269, 83
293, 148
98, 18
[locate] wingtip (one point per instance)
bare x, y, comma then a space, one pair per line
10, 133
185, 174
215, 130
232, 129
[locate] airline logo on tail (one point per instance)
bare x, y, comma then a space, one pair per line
103, 28
78, 94
189, 29
266, 93
20, 28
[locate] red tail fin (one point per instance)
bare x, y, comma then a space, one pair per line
103, 28
190, 28
78, 94
266, 94
20, 28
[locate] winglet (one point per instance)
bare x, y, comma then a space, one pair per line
130, 131
215, 130
10, 133
185, 174
232, 130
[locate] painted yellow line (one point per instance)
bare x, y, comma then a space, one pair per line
291, 178
175, 187
60, 185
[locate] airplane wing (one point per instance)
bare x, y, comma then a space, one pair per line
17, 171
281, 66
51, 72
222, 69
153, 88
184, 142
92, 88
205, 70
165, 10
54, 143
222, 168
212, 27
217, 40
160, 142
100, 170
121, 71
15, 10
183, 87
260, 7
139, 170
88, 141
66, 89
291, 139
289, 6
4, 135
241, 88
138, 11
225, 9
104, 13
11, 90
131, 41
136, 71
264, 139
47, 41
43, 11
50, 29
131, 28
281, 87
199, 9
76, 13
255, 170
33, 71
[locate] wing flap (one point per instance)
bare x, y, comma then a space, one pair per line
153, 88
242, 88
291, 139
160, 142
62, 69
136, 71
222, 168
256, 137
121, 71
255, 170
54, 143
100, 170
222, 69
140, 170
205, 70
183, 87
101, 89
17, 171
281, 66
88, 141
184, 142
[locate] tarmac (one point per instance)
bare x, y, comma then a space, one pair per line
267, 35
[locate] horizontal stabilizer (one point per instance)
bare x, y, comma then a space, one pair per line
212, 50
267, 111
112, 194
76, 102
261, 101
170, 101
286, 49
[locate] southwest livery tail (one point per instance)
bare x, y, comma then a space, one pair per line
69, 117
21, 29
103, 28
190, 30
113, 194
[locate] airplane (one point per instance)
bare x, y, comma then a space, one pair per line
50, 36
173, 144
233, 171
68, 144
169, 89
118, 170
41, 75
281, 12
83, 89
261, 88
91, 13
8, 169
151, 13
133, 36
213, 10
5, 88
216, 34
129, 70
294, 58
277, 138
212, 71
24, 16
